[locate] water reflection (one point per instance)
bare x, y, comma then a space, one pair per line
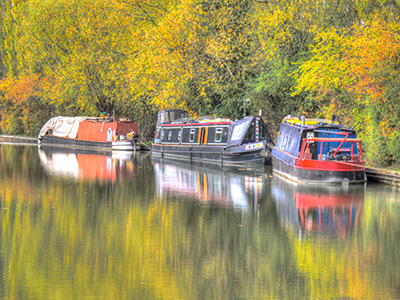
314, 208
87, 165
211, 183
186, 231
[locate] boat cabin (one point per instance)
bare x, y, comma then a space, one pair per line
248, 131
175, 127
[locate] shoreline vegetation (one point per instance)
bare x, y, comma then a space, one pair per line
383, 175
210, 57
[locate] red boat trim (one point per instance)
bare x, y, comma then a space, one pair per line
336, 166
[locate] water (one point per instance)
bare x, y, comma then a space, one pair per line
86, 226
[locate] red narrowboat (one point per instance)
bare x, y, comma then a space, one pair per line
318, 151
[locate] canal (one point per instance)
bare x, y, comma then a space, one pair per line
91, 226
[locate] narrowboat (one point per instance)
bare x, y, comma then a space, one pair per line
91, 133
246, 141
318, 151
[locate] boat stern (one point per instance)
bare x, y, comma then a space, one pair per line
125, 145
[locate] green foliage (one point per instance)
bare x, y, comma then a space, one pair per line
8, 38
220, 57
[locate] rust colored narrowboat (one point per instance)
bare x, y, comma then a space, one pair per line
91, 133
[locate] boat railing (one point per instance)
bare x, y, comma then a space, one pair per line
337, 153
99, 119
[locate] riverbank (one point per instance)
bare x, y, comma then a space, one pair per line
383, 175
373, 174
13, 139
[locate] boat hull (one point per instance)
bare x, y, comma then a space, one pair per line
332, 173
214, 154
123, 145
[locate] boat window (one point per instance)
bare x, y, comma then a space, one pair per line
288, 138
263, 132
285, 138
218, 135
249, 137
166, 118
179, 135
281, 136
169, 135
238, 131
294, 141
162, 135
160, 118
192, 135
178, 114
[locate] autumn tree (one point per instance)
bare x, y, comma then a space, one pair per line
220, 57
197, 57
282, 34
22, 110
79, 46
352, 73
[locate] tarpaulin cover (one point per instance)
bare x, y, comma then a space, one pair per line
62, 126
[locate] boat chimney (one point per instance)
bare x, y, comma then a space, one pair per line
333, 118
303, 120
